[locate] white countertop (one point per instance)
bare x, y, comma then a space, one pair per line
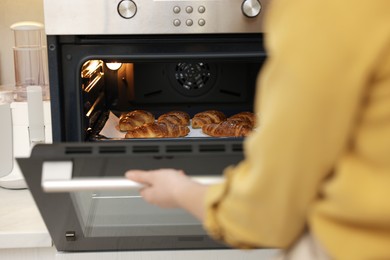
21, 225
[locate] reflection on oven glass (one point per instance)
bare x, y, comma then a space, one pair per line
125, 213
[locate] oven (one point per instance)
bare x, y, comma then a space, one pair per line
107, 58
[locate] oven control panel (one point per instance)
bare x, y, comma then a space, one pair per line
250, 8
201, 9
81, 17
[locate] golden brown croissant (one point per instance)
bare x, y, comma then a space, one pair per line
134, 119
227, 129
248, 118
158, 130
175, 117
207, 117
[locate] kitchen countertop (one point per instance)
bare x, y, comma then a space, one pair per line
21, 225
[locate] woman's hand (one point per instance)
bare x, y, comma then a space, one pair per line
170, 188
162, 187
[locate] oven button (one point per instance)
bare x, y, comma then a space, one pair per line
127, 9
201, 22
201, 9
176, 9
251, 8
176, 22
189, 22
189, 9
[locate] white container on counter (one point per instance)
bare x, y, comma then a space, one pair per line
24, 124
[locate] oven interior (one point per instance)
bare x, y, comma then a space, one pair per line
96, 78
162, 87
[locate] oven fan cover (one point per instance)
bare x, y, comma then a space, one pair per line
193, 79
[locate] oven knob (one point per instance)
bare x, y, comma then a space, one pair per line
251, 8
127, 9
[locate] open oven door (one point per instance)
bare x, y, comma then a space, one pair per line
88, 205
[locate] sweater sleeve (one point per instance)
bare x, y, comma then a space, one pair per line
309, 94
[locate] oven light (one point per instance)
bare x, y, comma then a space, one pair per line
114, 65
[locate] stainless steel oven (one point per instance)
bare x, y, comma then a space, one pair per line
109, 57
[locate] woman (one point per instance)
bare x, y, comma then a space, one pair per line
316, 176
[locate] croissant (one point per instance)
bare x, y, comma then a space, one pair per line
133, 119
227, 129
158, 130
207, 117
175, 117
248, 118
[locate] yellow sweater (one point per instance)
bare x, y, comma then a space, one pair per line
321, 157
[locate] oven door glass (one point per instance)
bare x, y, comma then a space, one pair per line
88, 205
120, 214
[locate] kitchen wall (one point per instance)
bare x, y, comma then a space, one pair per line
12, 11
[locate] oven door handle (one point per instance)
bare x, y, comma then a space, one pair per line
57, 177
